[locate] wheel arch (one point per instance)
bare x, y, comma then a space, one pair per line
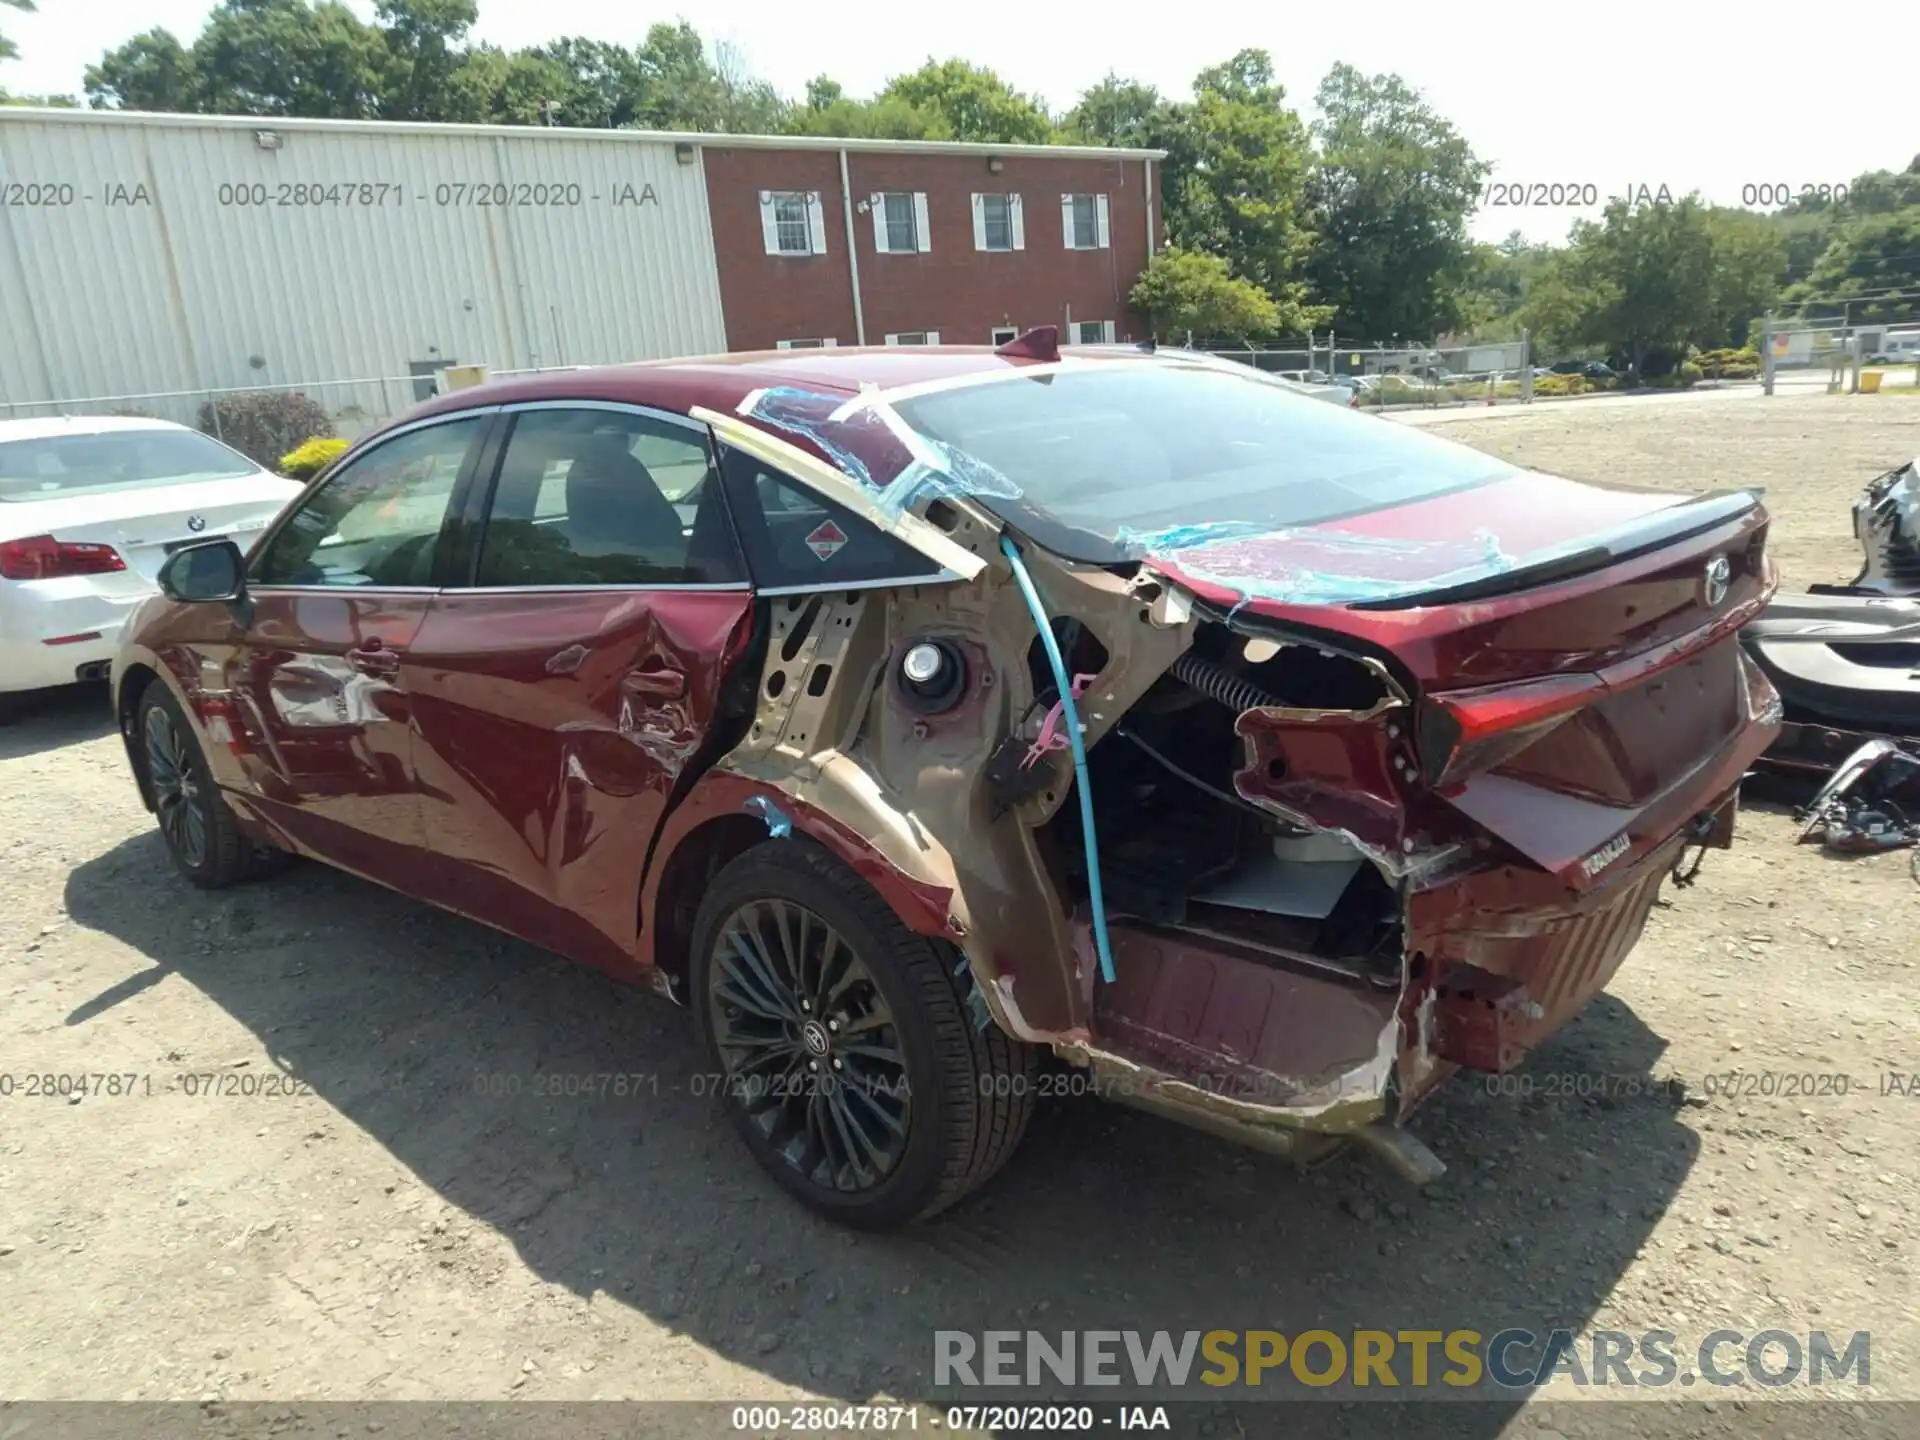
727, 814
130, 684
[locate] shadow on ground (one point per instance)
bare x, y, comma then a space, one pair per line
53, 719
416, 1025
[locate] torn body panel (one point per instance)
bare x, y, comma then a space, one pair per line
1345, 851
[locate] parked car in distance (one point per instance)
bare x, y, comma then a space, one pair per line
1592, 369
89, 508
916, 717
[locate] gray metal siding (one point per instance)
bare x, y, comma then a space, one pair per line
186, 292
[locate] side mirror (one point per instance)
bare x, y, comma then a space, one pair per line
209, 572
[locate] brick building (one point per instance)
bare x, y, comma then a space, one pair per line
156, 258
961, 245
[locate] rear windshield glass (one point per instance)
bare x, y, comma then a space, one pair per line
1106, 458
66, 465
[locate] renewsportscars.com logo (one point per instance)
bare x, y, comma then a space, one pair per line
1359, 1363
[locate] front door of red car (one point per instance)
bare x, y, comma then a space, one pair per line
321, 724
561, 693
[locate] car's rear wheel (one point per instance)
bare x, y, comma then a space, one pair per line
201, 833
844, 1052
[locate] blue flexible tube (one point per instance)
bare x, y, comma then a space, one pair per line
1071, 713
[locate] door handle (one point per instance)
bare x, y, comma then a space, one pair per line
660, 681
372, 657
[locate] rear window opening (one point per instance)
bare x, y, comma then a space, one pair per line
1181, 851
1098, 460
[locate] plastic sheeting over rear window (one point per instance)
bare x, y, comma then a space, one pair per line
1103, 457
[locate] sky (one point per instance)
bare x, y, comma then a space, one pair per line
1597, 100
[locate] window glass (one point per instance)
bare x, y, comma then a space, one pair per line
790, 224
1086, 223
97, 462
603, 497
794, 536
376, 521
997, 214
1129, 448
900, 221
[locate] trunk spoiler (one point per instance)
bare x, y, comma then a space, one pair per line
1636, 537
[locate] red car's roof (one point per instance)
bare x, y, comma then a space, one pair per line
720, 382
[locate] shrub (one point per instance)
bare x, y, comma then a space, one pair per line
264, 425
1561, 384
305, 461
1743, 364
1689, 375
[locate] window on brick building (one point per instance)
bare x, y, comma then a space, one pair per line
1083, 221
792, 222
900, 223
997, 223
1092, 332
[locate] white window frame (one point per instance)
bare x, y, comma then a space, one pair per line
805, 344
905, 337
1003, 334
1016, 223
1103, 335
1069, 229
770, 223
922, 231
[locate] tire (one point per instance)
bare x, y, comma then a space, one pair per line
201, 833
967, 1091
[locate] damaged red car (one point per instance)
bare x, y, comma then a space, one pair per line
918, 718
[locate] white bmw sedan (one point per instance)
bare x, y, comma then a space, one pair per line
89, 508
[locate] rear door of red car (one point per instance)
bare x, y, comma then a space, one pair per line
570, 673
316, 714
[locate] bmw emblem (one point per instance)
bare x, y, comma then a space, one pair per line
1713, 587
196, 523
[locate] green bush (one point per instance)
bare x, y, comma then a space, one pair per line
307, 460
1725, 364
1690, 375
264, 425
1561, 384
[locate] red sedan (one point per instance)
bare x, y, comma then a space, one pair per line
926, 719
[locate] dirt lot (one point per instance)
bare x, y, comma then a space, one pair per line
397, 1232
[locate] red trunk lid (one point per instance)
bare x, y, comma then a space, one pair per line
1580, 692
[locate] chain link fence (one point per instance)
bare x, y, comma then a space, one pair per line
1864, 346
1397, 374
353, 406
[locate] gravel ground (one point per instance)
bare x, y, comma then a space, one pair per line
395, 1231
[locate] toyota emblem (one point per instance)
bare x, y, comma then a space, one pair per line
1718, 577
196, 523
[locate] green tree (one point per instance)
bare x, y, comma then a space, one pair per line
1235, 180
424, 53
971, 103
1872, 255
1184, 291
1657, 278
1117, 112
153, 71
285, 57
7, 48
1498, 283
1391, 197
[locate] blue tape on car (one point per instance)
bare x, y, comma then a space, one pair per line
779, 823
1096, 898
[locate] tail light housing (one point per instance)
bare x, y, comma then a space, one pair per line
41, 557
1467, 731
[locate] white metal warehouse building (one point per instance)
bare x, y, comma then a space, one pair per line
144, 254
